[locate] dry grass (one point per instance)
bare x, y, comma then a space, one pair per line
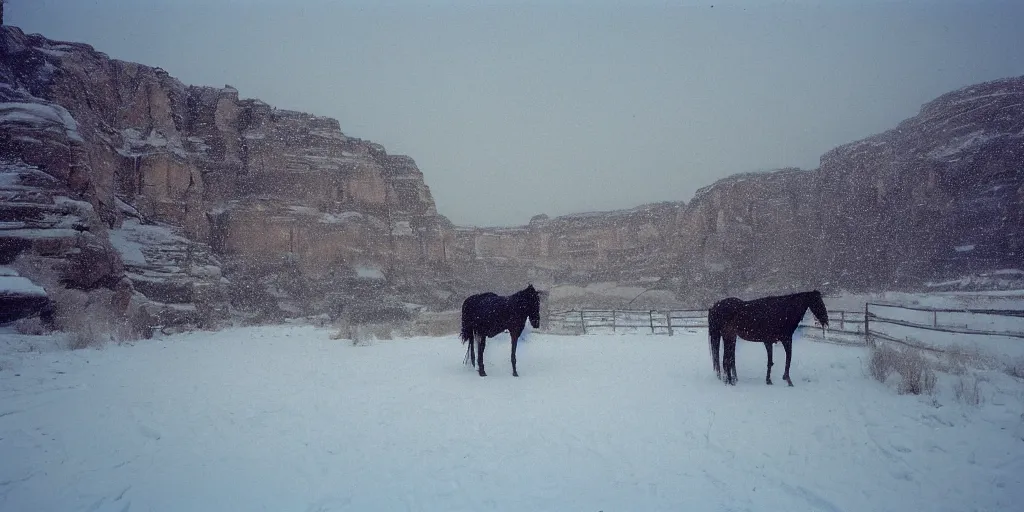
364, 334
915, 372
427, 324
957, 359
32, 326
917, 376
1015, 368
87, 317
882, 362
966, 390
445, 323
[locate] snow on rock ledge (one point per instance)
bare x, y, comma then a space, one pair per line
20, 297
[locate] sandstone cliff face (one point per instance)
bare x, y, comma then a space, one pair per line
749, 233
626, 247
192, 206
940, 196
580, 244
229, 182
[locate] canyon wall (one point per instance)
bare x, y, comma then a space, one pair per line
191, 206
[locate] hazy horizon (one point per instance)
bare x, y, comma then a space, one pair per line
513, 109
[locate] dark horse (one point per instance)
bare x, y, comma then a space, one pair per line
766, 320
485, 315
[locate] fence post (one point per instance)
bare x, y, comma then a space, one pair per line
935, 318
651, 312
842, 320
613, 320
583, 322
867, 326
668, 321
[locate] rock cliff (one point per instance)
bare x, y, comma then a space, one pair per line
189, 206
197, 187
937, 198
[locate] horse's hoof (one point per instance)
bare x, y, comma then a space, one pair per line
790, 382
515, 374
768, 382
483, 373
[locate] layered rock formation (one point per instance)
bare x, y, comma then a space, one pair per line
204, 180
628, 247
191, 206
940, 196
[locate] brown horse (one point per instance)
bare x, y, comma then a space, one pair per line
766, 320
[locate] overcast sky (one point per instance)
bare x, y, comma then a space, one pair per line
512, 109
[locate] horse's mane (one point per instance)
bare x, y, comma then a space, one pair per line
528, 293
796, 304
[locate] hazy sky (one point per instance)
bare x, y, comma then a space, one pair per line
512, 109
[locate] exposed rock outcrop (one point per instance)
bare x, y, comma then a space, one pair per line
941, 196
21, 298
225, 181
190, 206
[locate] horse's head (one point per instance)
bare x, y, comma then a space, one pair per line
532, 297
817, 306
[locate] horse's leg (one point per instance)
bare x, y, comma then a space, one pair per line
515, 340
472, 351
768, 346
715, 340
480, 356
788, 345
725, 358
729, 359
732, 362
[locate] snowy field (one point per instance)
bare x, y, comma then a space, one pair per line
285, 419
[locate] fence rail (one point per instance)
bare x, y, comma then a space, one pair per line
910, 323
586, 321
944, 329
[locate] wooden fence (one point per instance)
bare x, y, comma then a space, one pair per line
846, 327
910, 325
588, 321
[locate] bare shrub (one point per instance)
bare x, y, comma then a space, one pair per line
343, 331
958, 359
32, 326
966, 390
915, 372
87, 317
882, 362
85, 335
436, 324
363, 334
1015, 368
916, 375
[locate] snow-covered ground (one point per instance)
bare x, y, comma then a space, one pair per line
284, 418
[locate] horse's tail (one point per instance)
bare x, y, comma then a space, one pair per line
469, 354
467, 329
467, 335
714, 339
